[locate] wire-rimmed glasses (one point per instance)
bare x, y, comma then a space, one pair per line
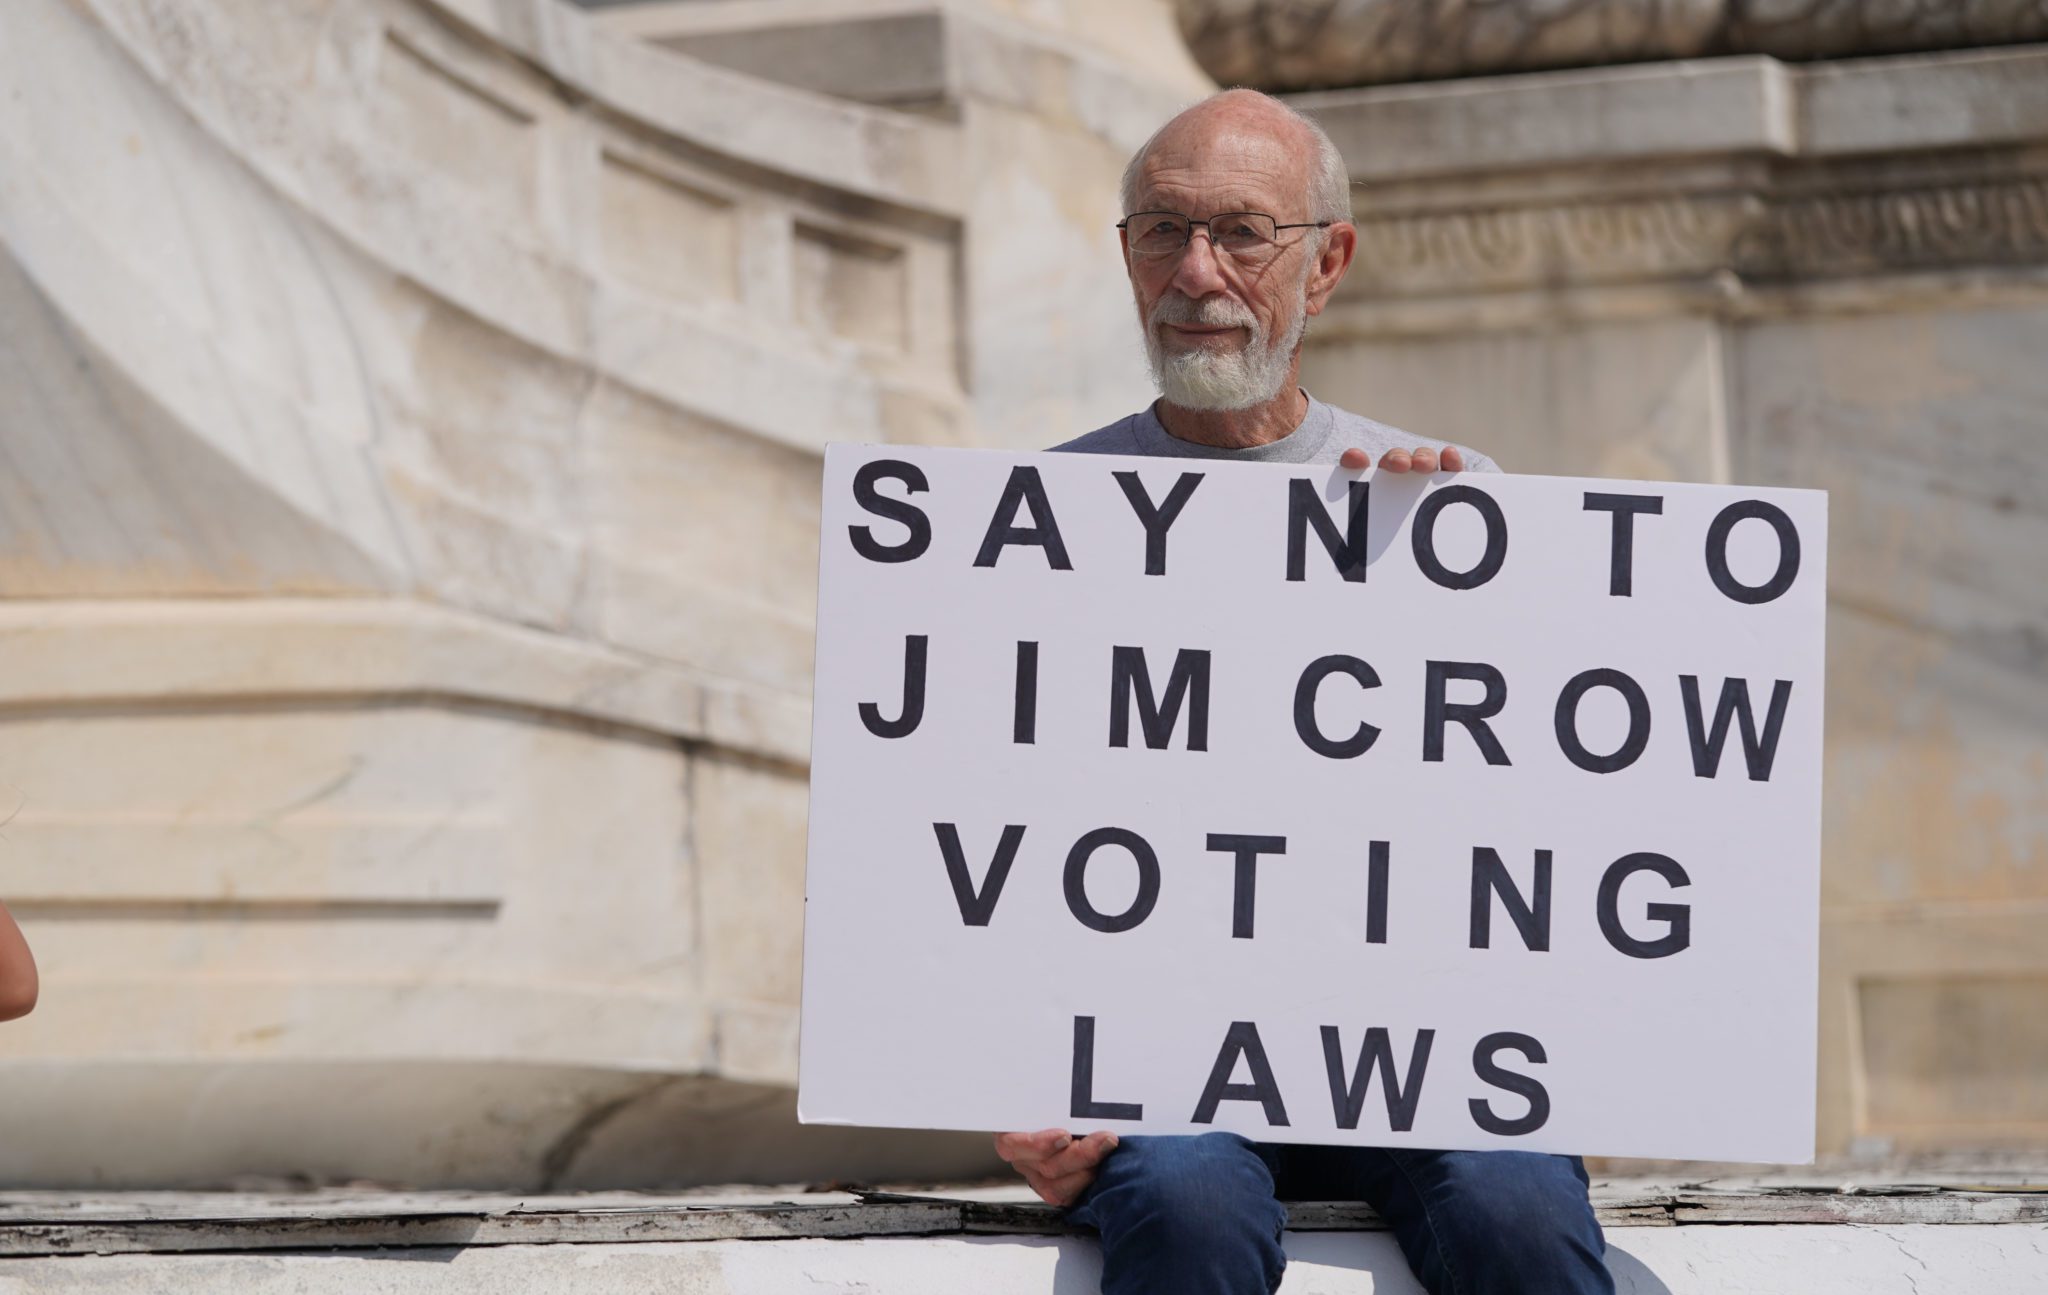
1244, 234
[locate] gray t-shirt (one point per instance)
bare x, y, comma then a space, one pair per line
1323, 435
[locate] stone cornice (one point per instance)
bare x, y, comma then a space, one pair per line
1312, 44
1746, 107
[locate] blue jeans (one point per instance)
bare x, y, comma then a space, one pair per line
1202, 1215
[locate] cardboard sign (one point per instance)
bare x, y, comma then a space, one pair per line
1171, 796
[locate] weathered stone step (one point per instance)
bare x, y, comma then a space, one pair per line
1669, 1239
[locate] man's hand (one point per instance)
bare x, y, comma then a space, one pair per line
1058, 1165
1420, 459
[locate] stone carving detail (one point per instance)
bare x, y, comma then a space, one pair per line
1755, 235
1585, 243
1995, 222
1321, 44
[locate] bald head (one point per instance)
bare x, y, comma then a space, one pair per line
1274, 146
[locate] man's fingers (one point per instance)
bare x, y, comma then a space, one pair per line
1045, 1190
1081, 1157
1075, 1158
1061, 1190
1420, 459
1060, 1177
1064, 1191
1354, 458
1026, 1148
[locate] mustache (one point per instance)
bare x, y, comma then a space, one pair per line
1209, 312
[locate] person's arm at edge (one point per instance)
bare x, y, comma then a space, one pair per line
18, 982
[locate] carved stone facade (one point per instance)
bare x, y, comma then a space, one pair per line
409, 428
1311, 44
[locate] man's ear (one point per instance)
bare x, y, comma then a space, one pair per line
1340, 244
1123, 243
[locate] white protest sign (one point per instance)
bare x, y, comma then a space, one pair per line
1172, 796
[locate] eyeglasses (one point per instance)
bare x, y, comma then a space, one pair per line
1246, 235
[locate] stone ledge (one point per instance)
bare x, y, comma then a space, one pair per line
1914, 1260
41, 1224
160, 651
1700, 108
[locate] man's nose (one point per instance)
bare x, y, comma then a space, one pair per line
1199, 272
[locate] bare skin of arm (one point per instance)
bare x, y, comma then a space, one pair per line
18, 983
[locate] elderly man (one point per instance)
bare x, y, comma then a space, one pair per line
1237, 230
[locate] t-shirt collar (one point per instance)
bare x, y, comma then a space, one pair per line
1299, 446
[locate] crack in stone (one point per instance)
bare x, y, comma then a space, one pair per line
1912, 1282
561, 1154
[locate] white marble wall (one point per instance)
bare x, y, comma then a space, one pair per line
409, 427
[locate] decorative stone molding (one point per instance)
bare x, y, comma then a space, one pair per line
1495, 249
1757, 234
1315, 44
1987, 222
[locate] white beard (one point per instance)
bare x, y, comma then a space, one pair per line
1222, 380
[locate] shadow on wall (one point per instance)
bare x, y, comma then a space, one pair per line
681, 1131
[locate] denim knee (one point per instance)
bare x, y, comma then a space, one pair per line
1528, 1200
1188, 1215
1507, 1221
